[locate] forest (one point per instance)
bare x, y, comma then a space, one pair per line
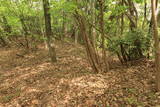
79, 53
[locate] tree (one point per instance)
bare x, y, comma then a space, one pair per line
48, 31
156, 44
101, 5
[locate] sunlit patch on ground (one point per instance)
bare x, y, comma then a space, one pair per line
34, 81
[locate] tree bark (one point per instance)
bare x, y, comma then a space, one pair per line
25, 30
156, 44
145, 13
123, 51
101, 4
91, 52
93, 15
48, 31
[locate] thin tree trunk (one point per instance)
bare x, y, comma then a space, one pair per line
124, 60
157, 47
101, 4
145, 13
25, 30
76, 36
91, 52
7, 28
64, 26
151, 26
92, 32
48, 31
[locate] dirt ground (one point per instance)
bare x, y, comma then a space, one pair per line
32, 81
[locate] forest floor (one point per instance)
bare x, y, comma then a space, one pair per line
32, 81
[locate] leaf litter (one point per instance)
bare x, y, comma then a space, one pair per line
33, 81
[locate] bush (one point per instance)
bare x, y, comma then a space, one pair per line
135, 44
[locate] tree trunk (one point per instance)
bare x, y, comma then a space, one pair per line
91, 52
157, 47
122, 49
48, 31
76, 36
25, 30
92, 29
101, 4
145, 13
64, 26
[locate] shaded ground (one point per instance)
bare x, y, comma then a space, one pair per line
32, 81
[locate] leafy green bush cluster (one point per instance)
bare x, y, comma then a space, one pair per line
136, 43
